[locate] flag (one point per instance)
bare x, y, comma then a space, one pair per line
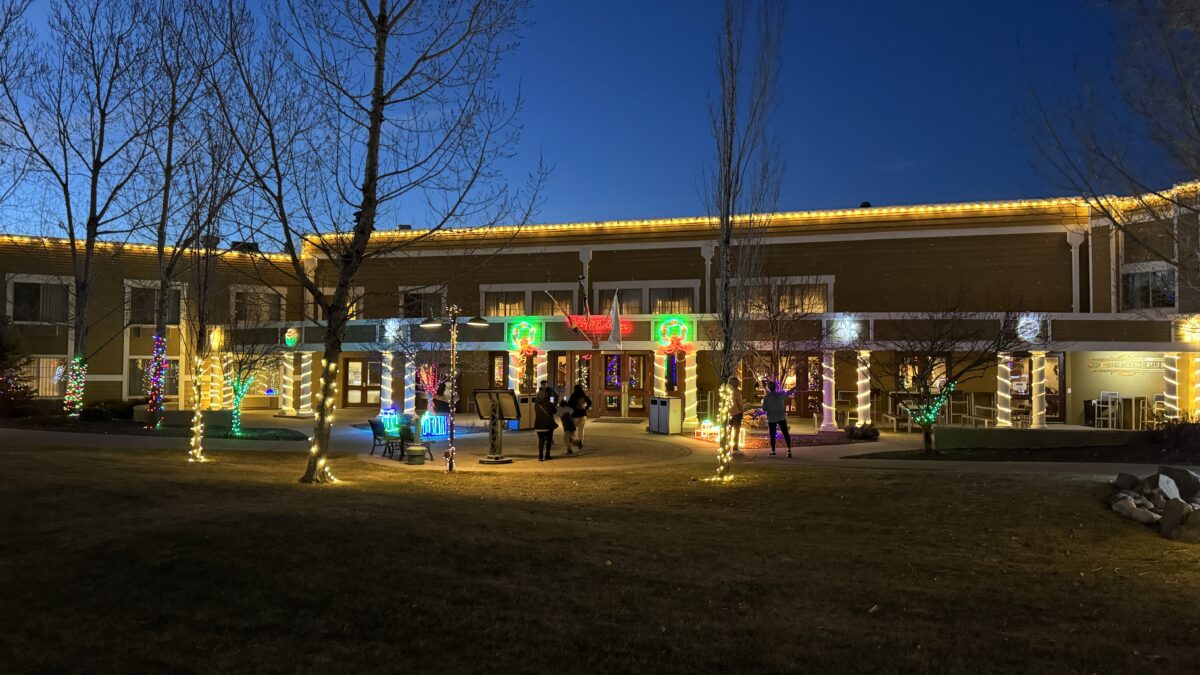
614, 334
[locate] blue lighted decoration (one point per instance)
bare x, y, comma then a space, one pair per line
435, 426
270, 391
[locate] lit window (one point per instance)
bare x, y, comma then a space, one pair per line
918, 371
670, 300
47, 375
544, 305
803, 298
504, 303
631, 301
137, 377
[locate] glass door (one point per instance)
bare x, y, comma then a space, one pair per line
1056, 378
360, 383
635, 391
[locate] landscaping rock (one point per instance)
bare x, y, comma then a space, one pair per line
1126, 481
1188, 482
1159, 489
1188, 533
1174, 516
1129, 509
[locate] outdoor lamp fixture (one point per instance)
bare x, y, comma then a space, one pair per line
432, 324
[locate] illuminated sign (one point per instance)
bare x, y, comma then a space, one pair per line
597, 325
674, 335
524, 337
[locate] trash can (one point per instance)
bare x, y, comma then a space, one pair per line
414, 454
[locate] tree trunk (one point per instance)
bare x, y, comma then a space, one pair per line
927, 437
318, 457
77, 368
156, 396
196, 450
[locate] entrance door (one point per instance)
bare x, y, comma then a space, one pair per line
1056, 379
807, 381
360, 383
624, 385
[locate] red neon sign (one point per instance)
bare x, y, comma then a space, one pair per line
596, 325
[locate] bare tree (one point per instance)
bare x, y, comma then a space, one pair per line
785, 310
17, 65
1148, 140
248, 349
741, 187
78, 120
935, 352
345, 111
187, 154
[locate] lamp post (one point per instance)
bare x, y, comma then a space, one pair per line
431, 323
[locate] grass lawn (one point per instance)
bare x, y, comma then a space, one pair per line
130, 428
137, 561
1119, 454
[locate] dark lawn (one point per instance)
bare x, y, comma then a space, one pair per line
137, 561
1118, 454
124, 427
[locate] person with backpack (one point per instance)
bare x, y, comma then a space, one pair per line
580, 404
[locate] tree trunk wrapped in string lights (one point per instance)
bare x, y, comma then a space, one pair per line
76, 379
196, 442
155, 382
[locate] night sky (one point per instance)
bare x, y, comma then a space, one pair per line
896, 103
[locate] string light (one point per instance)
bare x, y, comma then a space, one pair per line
1171, 381
196, 451
76, 380
726, 441
305, 385
325, 409
928, 413
1004, 391
241, 386
864, 387
155, 382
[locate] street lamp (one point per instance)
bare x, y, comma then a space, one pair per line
433, 324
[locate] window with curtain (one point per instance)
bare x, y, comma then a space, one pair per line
631, 300
543, 305
1148, 290
40, 302
803, 298
670, 300
143, 301
137, 377
504, 303
47, 375
913, 367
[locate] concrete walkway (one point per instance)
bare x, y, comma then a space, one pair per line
607, 446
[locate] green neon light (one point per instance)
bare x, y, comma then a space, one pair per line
672, 330
523, 335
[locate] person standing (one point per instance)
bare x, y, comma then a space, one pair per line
737, 411
580, 404
544, 424
774, 404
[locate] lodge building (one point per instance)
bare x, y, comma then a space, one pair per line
1110, 317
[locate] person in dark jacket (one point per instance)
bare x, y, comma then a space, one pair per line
580, 404
545, 425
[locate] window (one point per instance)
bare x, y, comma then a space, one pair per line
40, 302
802, 298
257, 306
48, 376
420, 303
669, 301
355, 311
543, 305
142, 304
914, 369
137, 377
631, 301
504, 303
1148, 290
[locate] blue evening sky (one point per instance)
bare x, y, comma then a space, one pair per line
892, 102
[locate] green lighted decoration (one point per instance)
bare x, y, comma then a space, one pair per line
523, 337
291, 338
673, 335
928, 414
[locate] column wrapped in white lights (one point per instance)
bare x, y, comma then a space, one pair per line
828, 422
660, 374
1195, 384
542, 366
1037, 415
214, 381
1171, 385
1004, 389
288, 399
227, 382
410, 386
385, 381
306, 383
689, 388
516, 370
864, 387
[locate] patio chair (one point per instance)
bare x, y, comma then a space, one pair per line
379, 438
1108, 410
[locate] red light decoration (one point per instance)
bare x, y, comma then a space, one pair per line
596, 325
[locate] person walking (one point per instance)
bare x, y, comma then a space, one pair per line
544, 424
737, 411
580, 404
774, 404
